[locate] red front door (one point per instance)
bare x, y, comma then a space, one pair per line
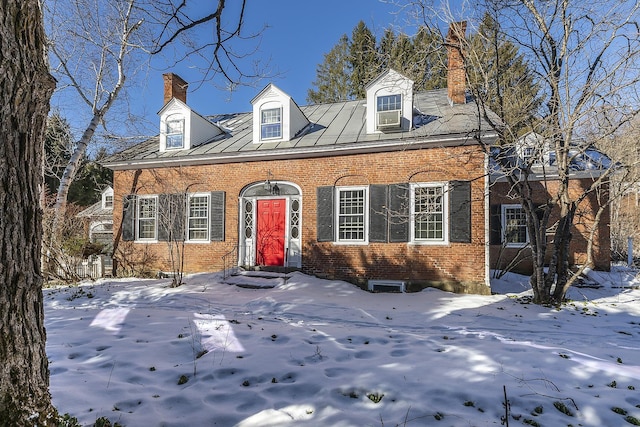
270, 232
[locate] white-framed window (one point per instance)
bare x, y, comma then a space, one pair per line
527, 154
352, 214
389, 102
514, 226
174, 127
429, 213
198, 217
389, 112
108, 201
271, 123
147, 216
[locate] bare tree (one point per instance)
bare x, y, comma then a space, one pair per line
584, 57
25, 89
97, 46
625, 216
222, 54
91, 42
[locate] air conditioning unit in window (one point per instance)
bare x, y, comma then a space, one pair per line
389, 120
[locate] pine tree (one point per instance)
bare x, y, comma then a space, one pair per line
333, 79
363, 59
385, 48
402, 55
429, 64
501, 77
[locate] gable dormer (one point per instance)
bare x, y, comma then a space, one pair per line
181, 128
107, 198
533, 149
389, 103
276, 116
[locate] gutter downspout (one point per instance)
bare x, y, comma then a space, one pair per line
487, 236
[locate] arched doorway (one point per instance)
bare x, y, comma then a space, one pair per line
270, 225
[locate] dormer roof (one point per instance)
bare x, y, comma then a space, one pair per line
276, 116
182, 128
389, 103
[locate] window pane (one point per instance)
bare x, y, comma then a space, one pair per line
198, 220
271, 131
515, 225
147, 218
175, 133
270, 124
389, 102
271, 116
429, 213
174, 141
351, 218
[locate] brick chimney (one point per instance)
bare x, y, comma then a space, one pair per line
174, 87
456, 78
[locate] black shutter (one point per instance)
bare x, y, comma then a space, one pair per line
460, 211
129, 218
178, 216
324, 211
164, 217
495, 225
217, 216
399, 212
378, 195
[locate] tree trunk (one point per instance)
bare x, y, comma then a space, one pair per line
25, 89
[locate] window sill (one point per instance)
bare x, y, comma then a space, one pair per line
516, 245
347, 243
428, 243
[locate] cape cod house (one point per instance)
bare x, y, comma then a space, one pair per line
387, 191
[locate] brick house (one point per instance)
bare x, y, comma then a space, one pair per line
508, 238
97, 219
389, 190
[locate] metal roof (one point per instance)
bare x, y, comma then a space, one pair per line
335, 128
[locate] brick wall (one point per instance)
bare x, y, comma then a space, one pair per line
451, 265
583, 225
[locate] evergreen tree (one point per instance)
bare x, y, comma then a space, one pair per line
351, 64
58, 145
362, 58
501, 77
91, 178
333, 79
402, 55
506, 85
429, 62
385, 48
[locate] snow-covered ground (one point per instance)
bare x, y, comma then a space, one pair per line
311, 352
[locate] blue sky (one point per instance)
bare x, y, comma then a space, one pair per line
297, 37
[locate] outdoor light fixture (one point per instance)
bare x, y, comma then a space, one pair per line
267, 183
271, 188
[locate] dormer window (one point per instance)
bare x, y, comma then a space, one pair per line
107, 198
175, 131
389, 103
271, 123
276, 117
389, 111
